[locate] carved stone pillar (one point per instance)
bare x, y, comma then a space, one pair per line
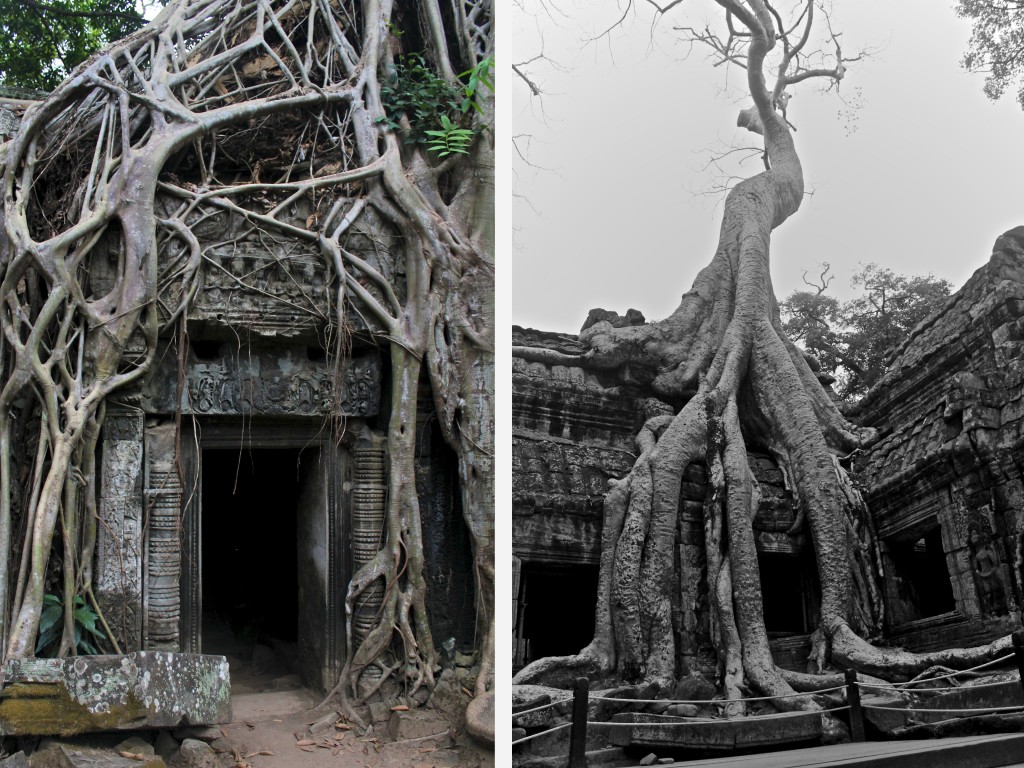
369, 491
118, 575
162, 568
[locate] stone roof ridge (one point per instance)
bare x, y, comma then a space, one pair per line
1005, 263
531, 337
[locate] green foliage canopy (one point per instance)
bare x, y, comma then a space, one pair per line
45, 40
852, 340
996, 47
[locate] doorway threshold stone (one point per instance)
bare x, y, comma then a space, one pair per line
145, 689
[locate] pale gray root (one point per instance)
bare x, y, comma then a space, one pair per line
724, 354
152, 120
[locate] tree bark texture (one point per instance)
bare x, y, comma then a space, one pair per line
249, 109
733, 378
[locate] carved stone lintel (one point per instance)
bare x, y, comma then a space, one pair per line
280, 382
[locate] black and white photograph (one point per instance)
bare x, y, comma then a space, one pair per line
766, 286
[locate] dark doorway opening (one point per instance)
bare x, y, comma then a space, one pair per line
250, 589
557, 606
922, 585
790, 593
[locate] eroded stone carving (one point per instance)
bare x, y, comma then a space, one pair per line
368, 506
162, 585
118, 576
278, 382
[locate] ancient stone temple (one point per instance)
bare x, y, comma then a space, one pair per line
943, 485
243, 482
246, 360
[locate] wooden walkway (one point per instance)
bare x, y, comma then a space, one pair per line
966, 752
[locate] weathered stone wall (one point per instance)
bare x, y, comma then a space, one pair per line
946, 480
951, 411
573, 430
570, 435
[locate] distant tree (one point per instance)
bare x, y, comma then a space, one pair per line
45, 40
996, 47
851, 340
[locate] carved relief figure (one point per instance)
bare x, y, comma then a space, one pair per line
988, 575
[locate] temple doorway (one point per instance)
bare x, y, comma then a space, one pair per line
250, 588
556, 609
262, 558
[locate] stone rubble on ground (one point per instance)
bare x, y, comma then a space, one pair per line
193, 754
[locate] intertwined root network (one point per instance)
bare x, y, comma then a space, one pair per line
264, 119
735, 378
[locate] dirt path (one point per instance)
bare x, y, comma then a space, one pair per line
285, 730
278, 724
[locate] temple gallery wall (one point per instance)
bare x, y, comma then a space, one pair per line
944, 485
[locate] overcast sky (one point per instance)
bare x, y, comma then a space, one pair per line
917, 170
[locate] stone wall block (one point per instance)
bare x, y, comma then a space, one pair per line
142, 690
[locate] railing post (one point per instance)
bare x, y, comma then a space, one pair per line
856, 711
1018, 652
578, 737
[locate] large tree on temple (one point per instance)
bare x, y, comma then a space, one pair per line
373, 114
729, 377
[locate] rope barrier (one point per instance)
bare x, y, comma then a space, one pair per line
718, 701
702, 720
542, 706
938, 690
542, 733
954, 674
911, 710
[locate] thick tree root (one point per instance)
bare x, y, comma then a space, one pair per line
117, 190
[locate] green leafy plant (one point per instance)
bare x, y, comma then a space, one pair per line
433, 106
51, 626
417, 92
478, 75
451, 139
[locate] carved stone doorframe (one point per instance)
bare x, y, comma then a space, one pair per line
198, 435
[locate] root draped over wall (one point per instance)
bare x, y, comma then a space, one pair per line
267, 112
732, 378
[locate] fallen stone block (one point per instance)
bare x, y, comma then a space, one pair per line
146, 689
136, 746
380, 711
325, 723
206, 733
682, 710
17, 760
649, 759
885, 720
194, 754
165, 745
480, 718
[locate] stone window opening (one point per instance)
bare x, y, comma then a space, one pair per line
790, 593
555, 610
919, 583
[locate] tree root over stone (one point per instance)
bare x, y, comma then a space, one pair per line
264, 118
723, 357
